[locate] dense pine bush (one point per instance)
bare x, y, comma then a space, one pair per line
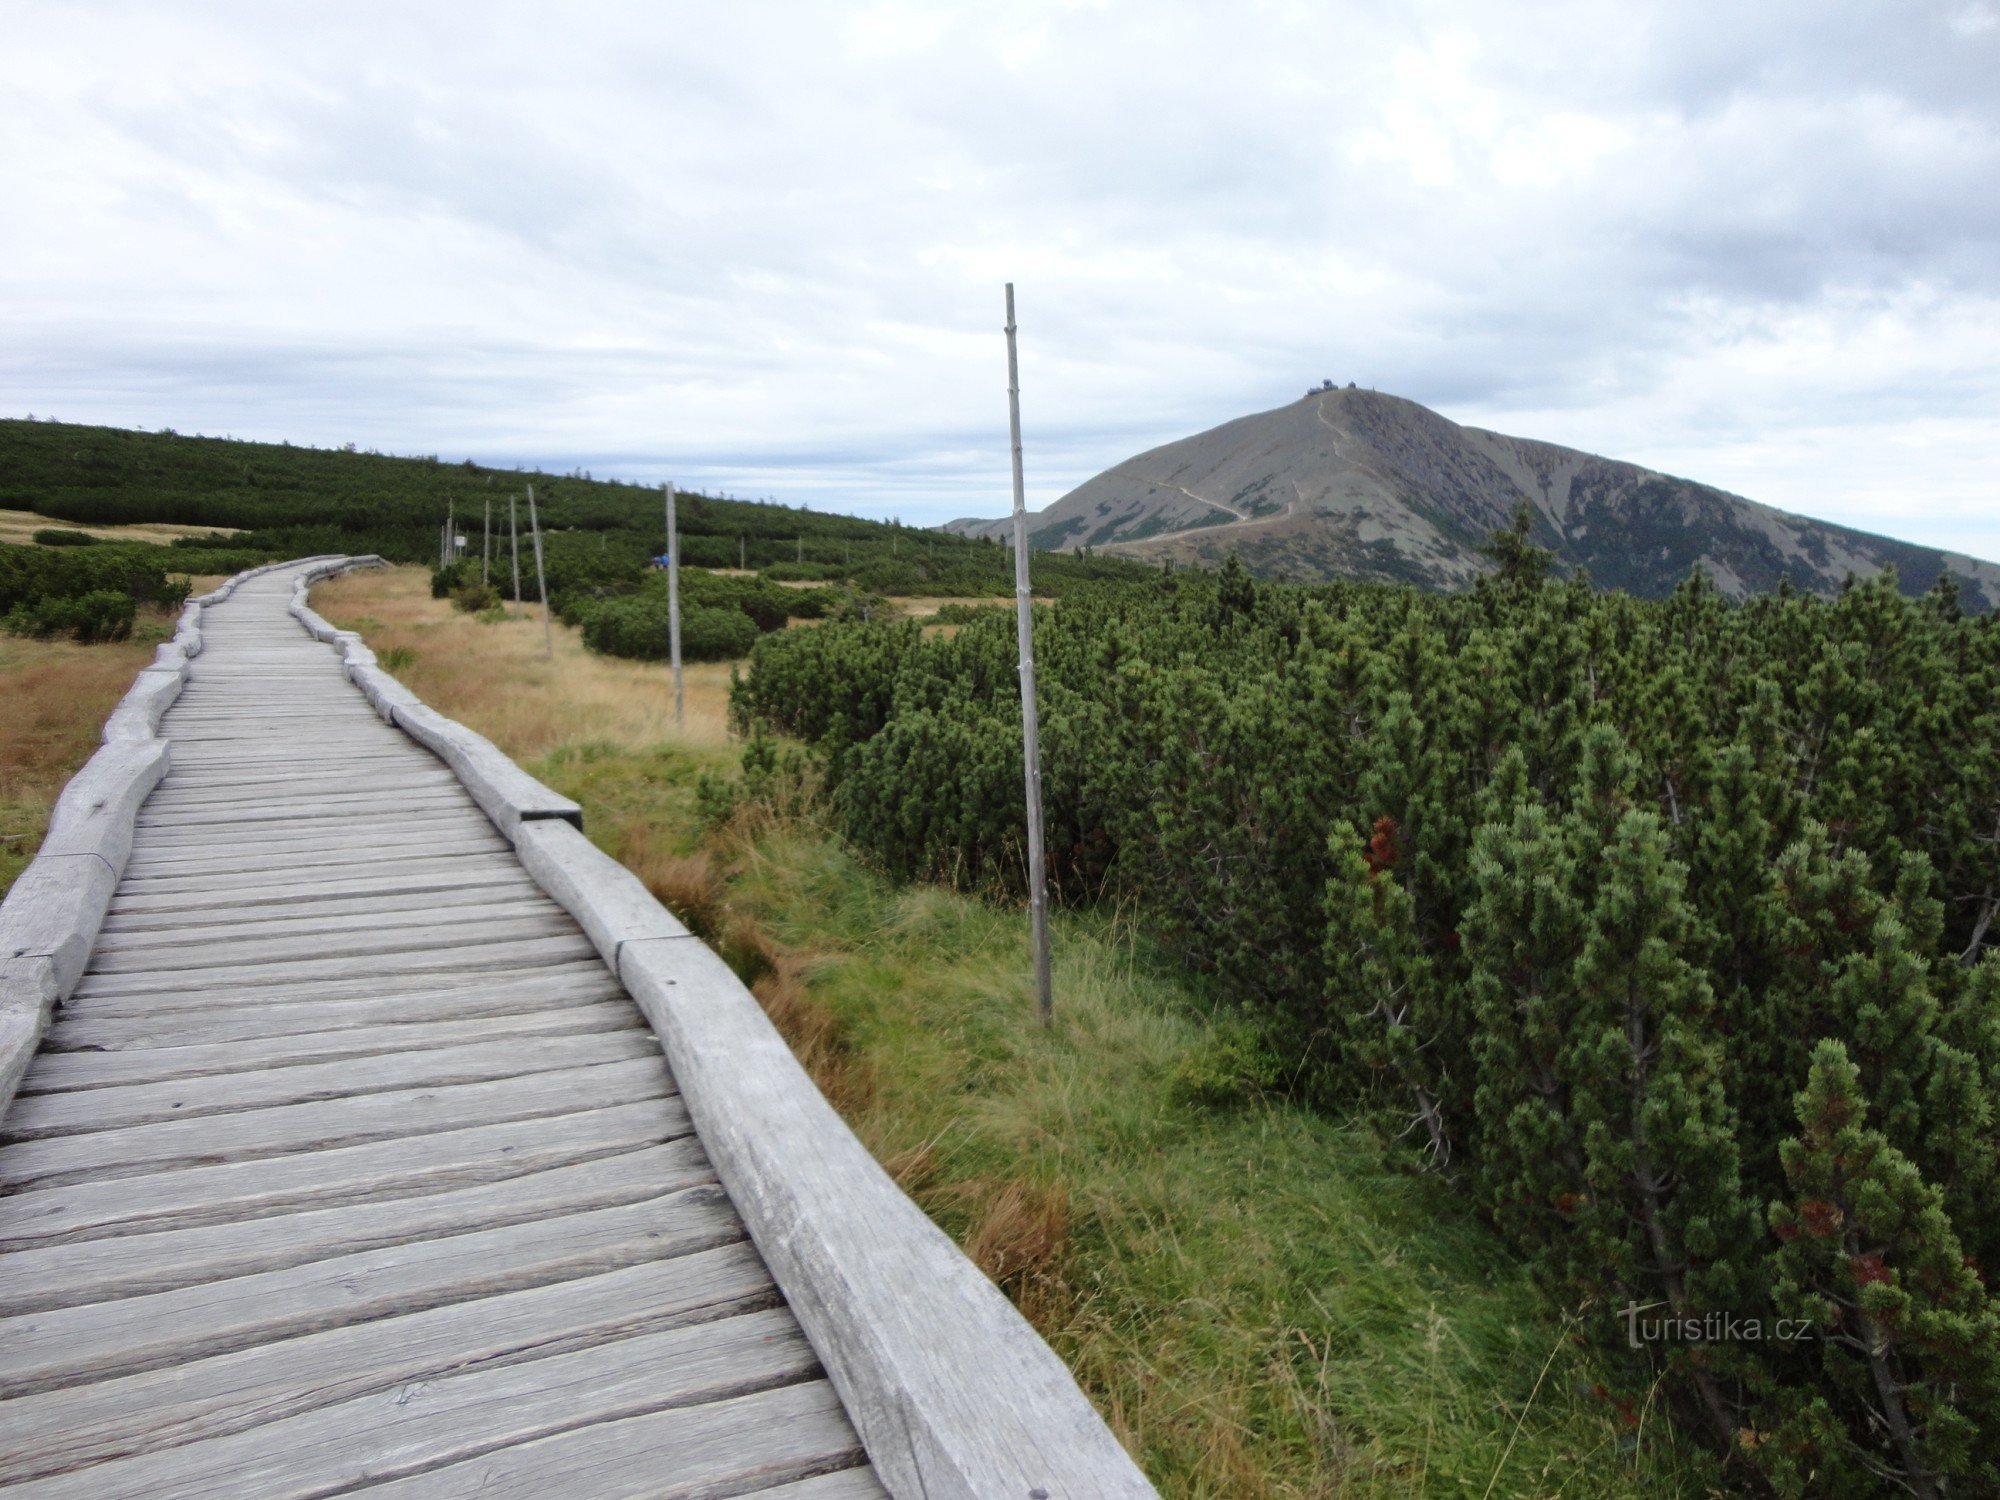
100, 615
637, 626
1664, 927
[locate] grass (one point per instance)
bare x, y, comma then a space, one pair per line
1263, 1301
21, 526
57, 696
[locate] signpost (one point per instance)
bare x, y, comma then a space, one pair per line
541, 580
1031, 737
514, 541
674, 608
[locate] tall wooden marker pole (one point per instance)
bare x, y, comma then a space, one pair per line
514, 541
541, 580
1031, 734
486, 546
674, 607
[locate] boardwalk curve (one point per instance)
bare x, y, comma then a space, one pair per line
371, 1131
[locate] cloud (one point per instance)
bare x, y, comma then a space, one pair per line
761, 247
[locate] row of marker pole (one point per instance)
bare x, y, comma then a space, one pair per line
1024, 625
448, 552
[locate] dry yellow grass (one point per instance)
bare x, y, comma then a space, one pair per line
21, 526
58, 695
495, 678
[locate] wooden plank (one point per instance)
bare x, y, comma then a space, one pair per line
311, 835
321, 919
66, 1429
188, 788
84, 1111
688, 1453
508, 794
93, 815
28, 994
295, 805
351, 938
585, 971
426, 1425
53, 912
156, 1021
57, 1071
479, 958
287, 1128
322, 849
847, 1484
612, 903
246, 894
344, 1175
181, 874
103, 1340
137, 1265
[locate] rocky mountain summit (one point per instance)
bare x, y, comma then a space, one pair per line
1349, 483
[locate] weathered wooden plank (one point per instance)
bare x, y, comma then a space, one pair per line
688, 1453
321, 919
845, 1484
587, 971
53, 912
210, 1398
612, 903
485, 956
136, 1265
137, 716
352, 940
468, 850
425, 1425
57, 1071
101, 1340
94, 813
28, 994
48, 1116
186, 1020
247, 842
248, 816
508, 794
193, 1196
246, 894
266, 849
287, 1128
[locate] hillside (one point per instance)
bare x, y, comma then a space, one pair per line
287, 501
1357, 484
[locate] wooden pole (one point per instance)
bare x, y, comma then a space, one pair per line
541, 580
1031, 736
486, 547
514, 541
674, 609
742, 554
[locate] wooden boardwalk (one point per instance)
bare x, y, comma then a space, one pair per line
349, 1166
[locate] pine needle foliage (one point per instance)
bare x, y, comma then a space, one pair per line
1580, 892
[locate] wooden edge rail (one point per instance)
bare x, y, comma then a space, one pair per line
52, 914
954, 1395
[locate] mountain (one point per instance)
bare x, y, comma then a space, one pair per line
1356, 484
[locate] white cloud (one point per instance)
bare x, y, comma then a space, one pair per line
762, 246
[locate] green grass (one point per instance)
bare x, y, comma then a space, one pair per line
1262, 1300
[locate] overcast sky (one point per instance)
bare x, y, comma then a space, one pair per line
760, 247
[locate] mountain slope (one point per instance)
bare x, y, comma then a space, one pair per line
1356, 484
